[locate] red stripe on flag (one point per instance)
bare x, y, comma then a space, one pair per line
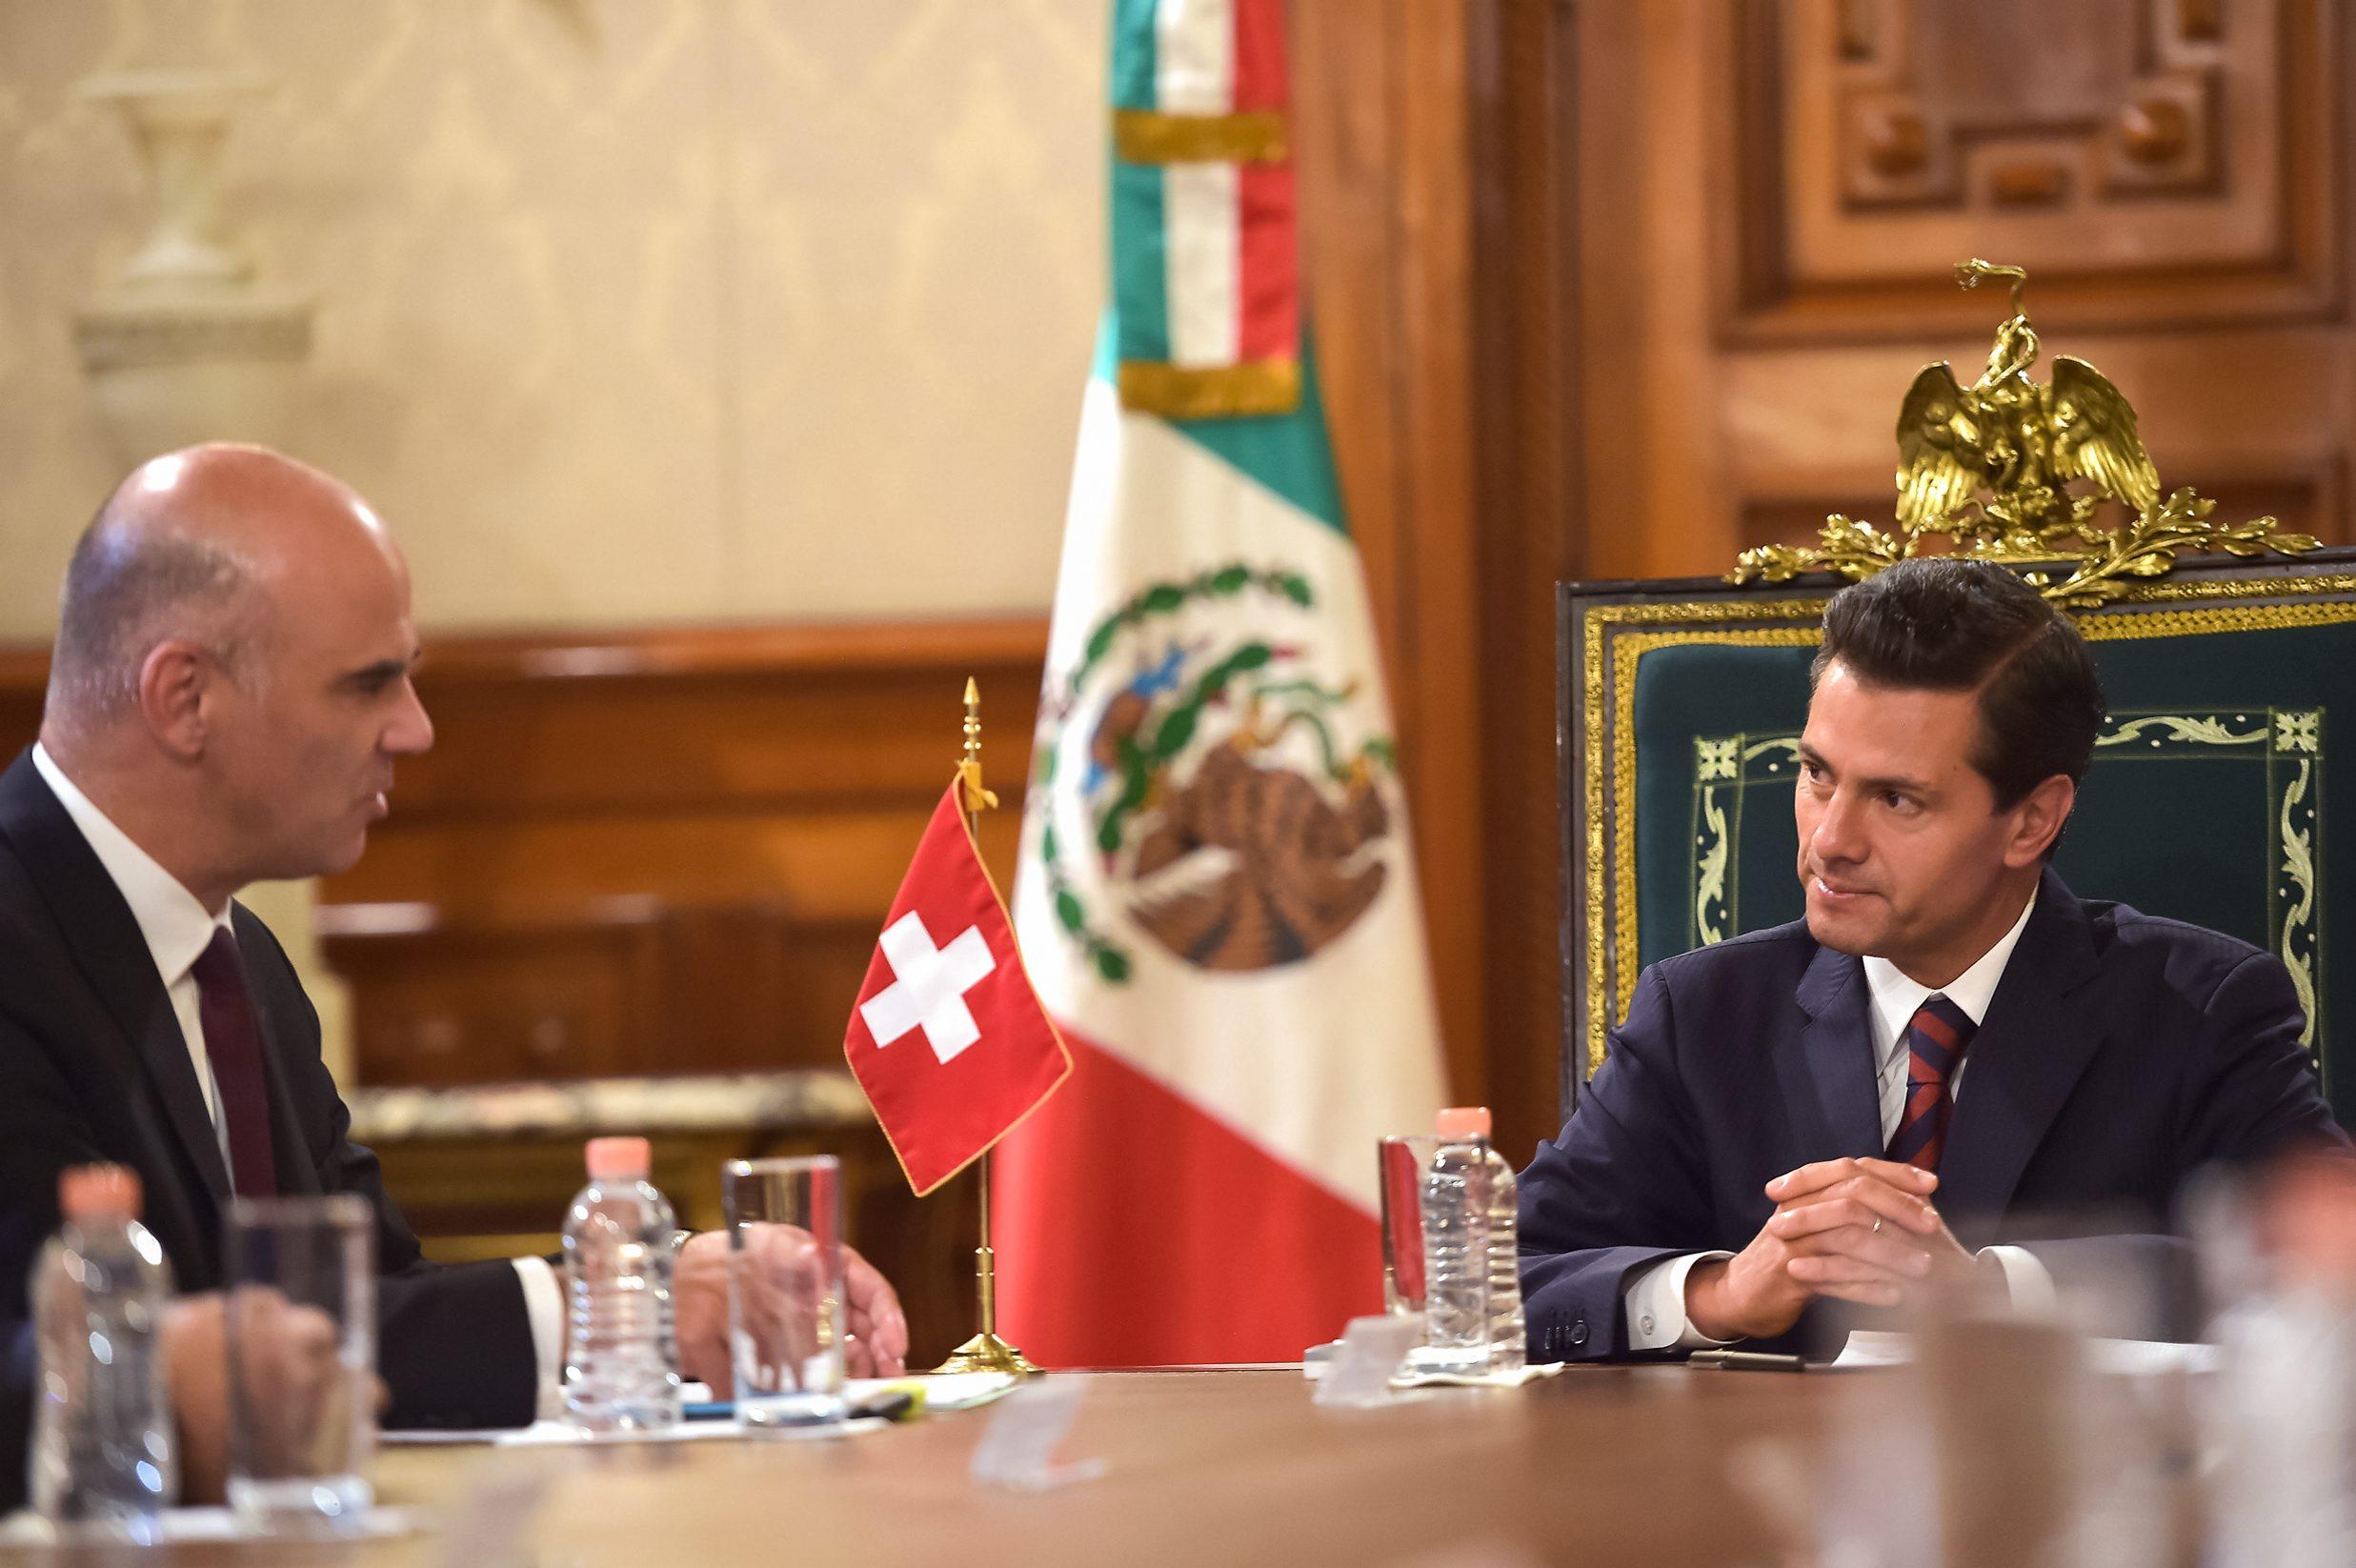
1135, 1229
1268, 297
1267, 281
1259, 82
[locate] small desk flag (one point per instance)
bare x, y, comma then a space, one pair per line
948, 1039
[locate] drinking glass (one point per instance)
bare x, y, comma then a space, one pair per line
302, 1360
1402, 1161
785, 1289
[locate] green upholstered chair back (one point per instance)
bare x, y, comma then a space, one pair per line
2232, 690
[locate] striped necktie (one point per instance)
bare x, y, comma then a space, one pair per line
1935, 1042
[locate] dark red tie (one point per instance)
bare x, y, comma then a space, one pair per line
233, 1045
1935, 1042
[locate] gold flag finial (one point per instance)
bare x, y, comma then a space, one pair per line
971, 794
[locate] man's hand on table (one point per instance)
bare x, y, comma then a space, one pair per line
292, 1373
780, 1275
1857, 1230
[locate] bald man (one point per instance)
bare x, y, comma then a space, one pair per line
228, 696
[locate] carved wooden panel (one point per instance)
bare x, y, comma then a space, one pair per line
2144, 159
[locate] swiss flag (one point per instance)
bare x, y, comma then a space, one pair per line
948, 1039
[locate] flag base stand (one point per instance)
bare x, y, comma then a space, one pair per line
987, 1353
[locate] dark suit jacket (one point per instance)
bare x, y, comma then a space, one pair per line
92, 1066
2120, 1054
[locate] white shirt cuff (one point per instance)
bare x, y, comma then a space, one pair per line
544, 1310
2027, 1281
1655, 1299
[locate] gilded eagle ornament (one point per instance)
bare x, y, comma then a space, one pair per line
1988, 467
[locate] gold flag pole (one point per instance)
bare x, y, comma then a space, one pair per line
985, 1352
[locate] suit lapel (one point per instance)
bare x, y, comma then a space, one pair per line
2024, 1059
1827, 1071
107, 946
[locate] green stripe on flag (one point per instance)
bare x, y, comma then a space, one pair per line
1136, 54
1288, 452
1140, 262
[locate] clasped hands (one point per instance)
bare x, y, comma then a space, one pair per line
1856, 1229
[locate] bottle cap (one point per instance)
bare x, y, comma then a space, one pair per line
98, 1192
1464, 1121
619, 1158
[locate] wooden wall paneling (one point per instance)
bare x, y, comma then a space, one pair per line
2154, 163
1523, 59
1384, 190
666, 851
1439, 626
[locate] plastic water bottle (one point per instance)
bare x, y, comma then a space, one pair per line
102, 1464
622, 1374
1473, 1320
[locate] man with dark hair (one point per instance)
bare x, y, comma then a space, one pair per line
227, 699
1952, 1072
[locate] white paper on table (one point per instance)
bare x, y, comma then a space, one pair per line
1528, 1372
945, 1392
1868, 1347
560, 1434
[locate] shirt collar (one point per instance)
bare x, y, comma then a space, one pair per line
175, 925
1896, 998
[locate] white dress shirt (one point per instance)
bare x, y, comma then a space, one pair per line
178, 929
1654, 1295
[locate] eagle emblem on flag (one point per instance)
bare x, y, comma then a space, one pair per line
1233, 799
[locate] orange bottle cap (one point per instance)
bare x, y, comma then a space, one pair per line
619, 1158
1464, 1121
98, 1192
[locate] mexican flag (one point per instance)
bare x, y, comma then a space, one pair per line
1216, 898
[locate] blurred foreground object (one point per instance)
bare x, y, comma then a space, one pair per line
103, 1460
2283, 1488
301, 1279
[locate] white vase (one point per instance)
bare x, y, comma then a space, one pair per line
182, 344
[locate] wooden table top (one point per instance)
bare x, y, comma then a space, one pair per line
1618, 1465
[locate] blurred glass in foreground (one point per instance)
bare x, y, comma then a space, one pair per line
302, 1355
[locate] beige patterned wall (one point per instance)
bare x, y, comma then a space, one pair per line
631, 310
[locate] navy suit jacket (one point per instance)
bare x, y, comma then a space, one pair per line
2120, 1054
94, 1067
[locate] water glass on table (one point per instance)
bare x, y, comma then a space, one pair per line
1401, 1159
302, 1363
786, 1318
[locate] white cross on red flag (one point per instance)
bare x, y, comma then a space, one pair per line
948, 1039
